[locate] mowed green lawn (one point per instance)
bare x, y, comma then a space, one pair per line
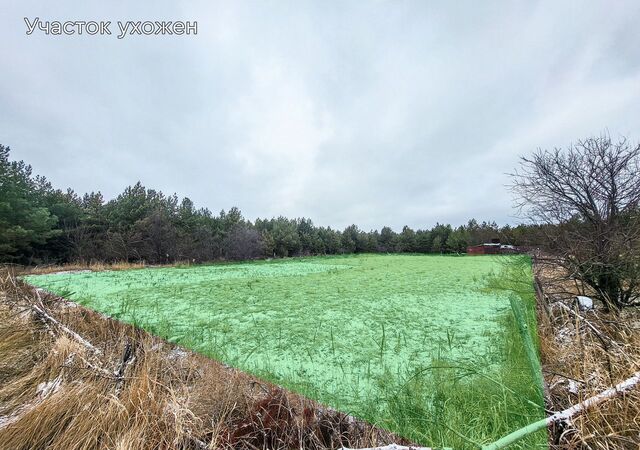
410, 342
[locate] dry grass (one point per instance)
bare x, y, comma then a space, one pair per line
584, 353
57, 394
78, 266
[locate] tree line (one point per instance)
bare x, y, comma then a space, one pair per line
582, 204
40, 224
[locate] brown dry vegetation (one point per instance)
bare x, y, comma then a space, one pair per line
78, 266
139, 392
584, 353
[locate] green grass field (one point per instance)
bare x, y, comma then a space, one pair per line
414, 343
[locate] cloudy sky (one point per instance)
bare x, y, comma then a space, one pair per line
368, 112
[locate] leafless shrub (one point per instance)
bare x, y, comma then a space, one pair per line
587, 198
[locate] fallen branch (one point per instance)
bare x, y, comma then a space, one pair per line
567, 414
40, 310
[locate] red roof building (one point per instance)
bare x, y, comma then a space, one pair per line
492, 248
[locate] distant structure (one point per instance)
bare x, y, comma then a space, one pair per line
492, 248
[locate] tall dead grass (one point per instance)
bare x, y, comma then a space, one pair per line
140, 392
78, 266
584, 353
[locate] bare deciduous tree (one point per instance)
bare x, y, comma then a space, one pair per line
588, 197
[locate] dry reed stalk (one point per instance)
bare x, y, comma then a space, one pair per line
583, 354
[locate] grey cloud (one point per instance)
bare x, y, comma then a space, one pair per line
378, 113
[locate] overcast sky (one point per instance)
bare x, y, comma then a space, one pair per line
368, 112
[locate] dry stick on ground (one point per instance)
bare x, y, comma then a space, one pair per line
40, 311
128, 355
567, 414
